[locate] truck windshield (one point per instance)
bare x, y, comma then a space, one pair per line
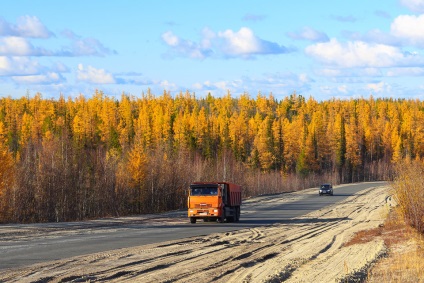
204, 191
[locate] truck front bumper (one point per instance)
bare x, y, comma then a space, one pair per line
212, 212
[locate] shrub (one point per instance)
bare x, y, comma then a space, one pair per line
408, 189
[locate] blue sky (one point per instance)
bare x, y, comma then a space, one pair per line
324, 49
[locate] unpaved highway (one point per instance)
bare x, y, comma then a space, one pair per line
294, 237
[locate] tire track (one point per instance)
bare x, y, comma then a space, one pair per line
288, 251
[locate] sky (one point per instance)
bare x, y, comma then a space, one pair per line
323, 49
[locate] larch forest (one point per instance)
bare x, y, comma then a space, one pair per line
70, 159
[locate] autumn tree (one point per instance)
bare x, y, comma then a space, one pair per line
7, 178
97, 155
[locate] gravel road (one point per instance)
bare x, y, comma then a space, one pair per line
307, 248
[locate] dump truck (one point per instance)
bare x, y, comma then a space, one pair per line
214, 201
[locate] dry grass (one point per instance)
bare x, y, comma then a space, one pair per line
364, 236
404, 261
405, 258
393, 231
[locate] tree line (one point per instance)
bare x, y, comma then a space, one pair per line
79, 158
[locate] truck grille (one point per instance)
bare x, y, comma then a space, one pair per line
202, 205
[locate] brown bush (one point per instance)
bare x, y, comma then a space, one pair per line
408, 189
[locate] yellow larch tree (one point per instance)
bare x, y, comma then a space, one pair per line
263, 144
7, 177
136, 167
278, 142
353, 143
239, 134
199, 124
419, 135
143, 127
397, 147
125, 127
108, 122
292, 143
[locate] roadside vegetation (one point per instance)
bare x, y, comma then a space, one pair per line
82, 158
408, 190
402, 231
405, 262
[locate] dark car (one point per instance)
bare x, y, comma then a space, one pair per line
326, 189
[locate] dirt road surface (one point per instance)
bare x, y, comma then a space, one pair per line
304, 249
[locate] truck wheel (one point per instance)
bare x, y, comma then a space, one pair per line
238, 214
192, 220
221, 219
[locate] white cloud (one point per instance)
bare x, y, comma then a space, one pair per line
221, 86
15, 42
349, 72
226, 44
60, 67
83, 46
93, 75
398, 72
304, 78
369, 72
27, 26
19, 46
409, 28
328, 72
240, 42
279, 84
309, 33
374, 35
168, 85
414, 5
404, 30
245, 42
342, 89
16, 66
338, 91
13, 45
286, 81
186, 47
47, 78
208, 37
360, 54
380, 87
24, 70
170, 38
30, 26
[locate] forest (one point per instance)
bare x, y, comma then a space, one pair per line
70, 159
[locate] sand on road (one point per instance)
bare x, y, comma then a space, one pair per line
305, 249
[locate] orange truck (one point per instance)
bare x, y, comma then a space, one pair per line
214, 201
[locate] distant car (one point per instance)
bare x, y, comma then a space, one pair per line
326, 189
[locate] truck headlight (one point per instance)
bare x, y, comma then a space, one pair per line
215, 210
191, 211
